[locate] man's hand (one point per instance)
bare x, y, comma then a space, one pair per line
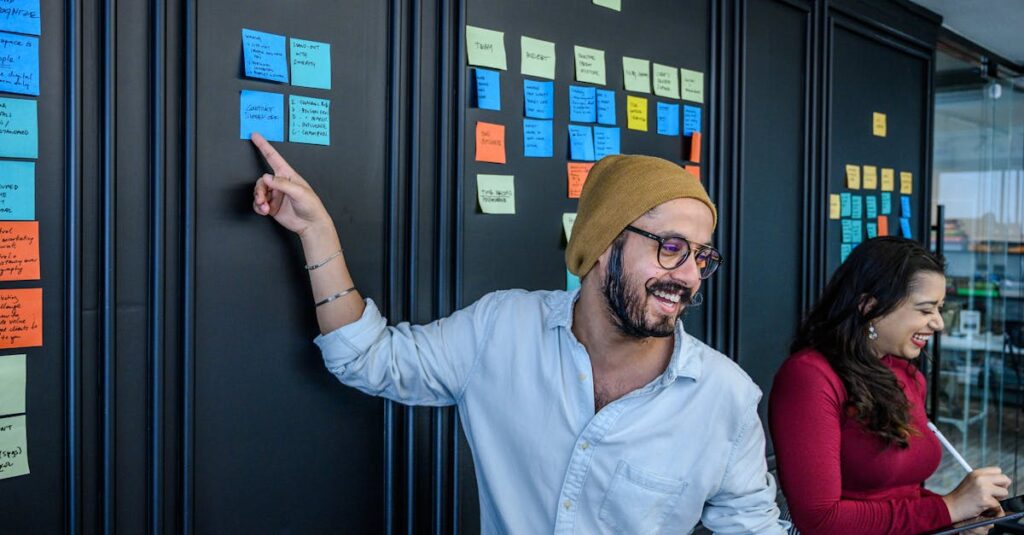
285, 195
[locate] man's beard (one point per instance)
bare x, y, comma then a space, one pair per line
628, 308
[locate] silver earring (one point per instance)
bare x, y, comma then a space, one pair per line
872, 333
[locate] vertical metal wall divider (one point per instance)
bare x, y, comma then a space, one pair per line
732, 202
108, 333
813, 197
390, 409
72, 268
456, 228
188, 252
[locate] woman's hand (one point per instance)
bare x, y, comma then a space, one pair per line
285, 195
980, 491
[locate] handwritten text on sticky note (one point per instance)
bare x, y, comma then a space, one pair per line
265, 56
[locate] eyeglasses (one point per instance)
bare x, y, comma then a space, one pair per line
674, 250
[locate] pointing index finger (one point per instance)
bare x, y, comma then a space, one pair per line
271, 156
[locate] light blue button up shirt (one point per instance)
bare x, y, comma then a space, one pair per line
687, 447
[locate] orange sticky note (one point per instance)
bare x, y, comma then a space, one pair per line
577, 177
19, 251
883, 225
490, 142
21, 318
695, 147
693, 170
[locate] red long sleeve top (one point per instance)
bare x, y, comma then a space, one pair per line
837, 477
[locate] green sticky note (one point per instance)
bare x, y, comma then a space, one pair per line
666, 81
12, 385
485, 48
610, 4
13, 447
309, 120
496, 193
568, 220
538, 57
636, 74
311, 64
19, 128
589, 65
692, 85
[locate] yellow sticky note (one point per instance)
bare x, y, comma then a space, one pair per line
888, 179
13, 447
485, 48
589, 65
636, 75
853, 176
610, 4
870, 177
906, 182
636, 113
538, 57
692, 85
666, 81
496, 193
12, 385
878, 126
568, 220
833, 206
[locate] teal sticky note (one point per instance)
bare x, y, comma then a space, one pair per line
886, 203
847, 231
844, 251
607, 140
539, 99
311, 63
19, 62
668, 119
488, 89
582, 104
20, 16
905, 227
309, 120
844, 205
537, 138
856, 207
904, 206
605, 107
872, 230
17, 191
264, 56
581, 143
856, 231
691, 119
19, 128
572, 282
261, 112
872, 206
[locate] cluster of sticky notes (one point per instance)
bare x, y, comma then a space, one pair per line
863, 213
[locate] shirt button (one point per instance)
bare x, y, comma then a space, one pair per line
567, 504
585, 445
583, 377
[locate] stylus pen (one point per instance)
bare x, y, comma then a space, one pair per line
949, 447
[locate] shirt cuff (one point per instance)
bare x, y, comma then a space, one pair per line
346, 343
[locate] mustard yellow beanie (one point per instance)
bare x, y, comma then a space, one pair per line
618, 190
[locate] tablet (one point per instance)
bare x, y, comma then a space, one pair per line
1013, 511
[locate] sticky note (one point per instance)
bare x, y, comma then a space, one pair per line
17, 190
871, 207
261, 112
577, 175
833, 206
636, 113
488, 89
691, 119
905, 228
581, 143
844, 252
872, 230
264, 56
847, 231
668, 119
904, 206
21, 318
887, 179
311, 63
887, 203
610, 4
695, 142
906, 182
606, 141
856, 230
636, 75
693, 170
605, 106
589, 65
883, 225
853, 176
878, 126
309, 120
856, 206
496, 194
537, 139
870, 178
537, 58
485, 48
19, 128
844, 204
692, 85
19, 251
12, 385
572, 282
490, 142
19, 62
539, 99
13, 447
21, 16
666, 81
568, 220
582, 104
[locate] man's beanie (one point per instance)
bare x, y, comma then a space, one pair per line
618, 190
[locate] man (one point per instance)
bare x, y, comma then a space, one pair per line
588, 411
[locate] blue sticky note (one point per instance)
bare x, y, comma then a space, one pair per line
605, 106
844, 251
691, 119
904, 206
844, 204
20, 16
19, 62
847, 231
488, 89
311, 63
17, 191
872, 230
856, 231
309, 120
581, 143
582, 104
539, 99
19, 128
668, 119
572, 282
261, 112
856, 207
537, 139
905, 227
872, 206
886, 203
264, 56
606, 141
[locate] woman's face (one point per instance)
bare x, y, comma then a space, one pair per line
906, 330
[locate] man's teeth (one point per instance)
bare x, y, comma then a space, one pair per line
667, 296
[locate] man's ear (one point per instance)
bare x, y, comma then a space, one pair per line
867, 304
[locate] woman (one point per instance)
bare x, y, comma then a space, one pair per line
847, 408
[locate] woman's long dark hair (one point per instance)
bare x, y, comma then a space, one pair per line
879, 271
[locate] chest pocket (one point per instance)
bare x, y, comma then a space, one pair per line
638, 501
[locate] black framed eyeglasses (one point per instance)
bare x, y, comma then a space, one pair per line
674, 250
